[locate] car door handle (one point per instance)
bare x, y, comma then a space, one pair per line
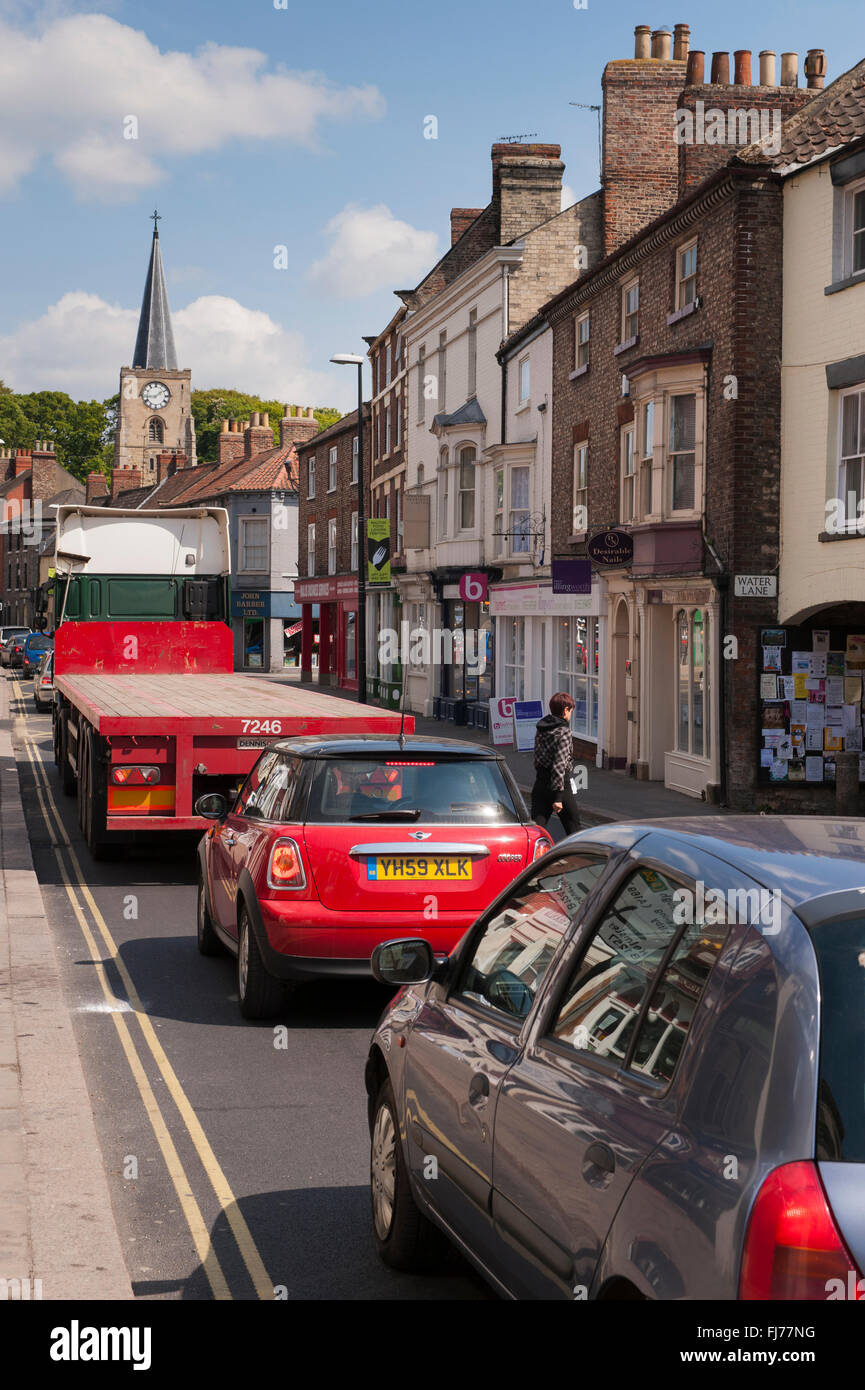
479, 1088
599, 1159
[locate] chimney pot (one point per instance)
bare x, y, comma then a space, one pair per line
254, 419
742, 70
224, 427
265, 418
696, 74
815, 67
681, 42
767, 67
789, 69
720, 69
642, 41
661, 43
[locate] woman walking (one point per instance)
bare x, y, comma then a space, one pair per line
554, 765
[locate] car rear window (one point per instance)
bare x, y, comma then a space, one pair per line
450, 791
40, 644
840, 948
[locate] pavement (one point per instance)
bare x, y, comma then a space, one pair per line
57, 1228
608, 796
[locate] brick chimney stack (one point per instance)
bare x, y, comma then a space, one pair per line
97, 486
23, 462
461, 220
258, 436
297, 428
124, 480
640, 176
527, 187
229, 443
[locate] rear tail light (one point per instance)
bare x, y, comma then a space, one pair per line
793, 1249
285, 869
542, 844
131, 775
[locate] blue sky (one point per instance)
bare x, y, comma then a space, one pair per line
240, 156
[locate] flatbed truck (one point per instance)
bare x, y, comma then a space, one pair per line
149, 714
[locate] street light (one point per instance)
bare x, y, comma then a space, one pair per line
352, 359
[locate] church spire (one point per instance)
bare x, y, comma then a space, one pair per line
154, 346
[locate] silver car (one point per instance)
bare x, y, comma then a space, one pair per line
43, 682
641, 1073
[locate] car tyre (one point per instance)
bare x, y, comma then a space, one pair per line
260, 994
209, 943
404, 1237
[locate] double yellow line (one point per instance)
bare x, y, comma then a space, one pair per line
75, 884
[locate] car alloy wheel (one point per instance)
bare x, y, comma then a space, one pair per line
383, 1171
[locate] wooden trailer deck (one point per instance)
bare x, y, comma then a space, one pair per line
231, 704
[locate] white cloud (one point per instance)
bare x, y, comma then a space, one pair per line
66, 92
78, 344
372, 250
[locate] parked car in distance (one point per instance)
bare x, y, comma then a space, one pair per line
12, 651
334, 845
43, 682
35, 645
640, 1074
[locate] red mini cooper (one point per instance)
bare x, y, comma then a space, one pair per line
334, 845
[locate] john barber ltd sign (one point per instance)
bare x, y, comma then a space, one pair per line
611, 548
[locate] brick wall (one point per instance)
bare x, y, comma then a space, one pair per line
738, 225
697, 160
340, 503
640, 154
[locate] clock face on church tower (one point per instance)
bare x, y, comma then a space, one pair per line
156, 395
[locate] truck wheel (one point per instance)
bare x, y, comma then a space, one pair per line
404, 1238
209, 943
260, 995
67, 776
88, 807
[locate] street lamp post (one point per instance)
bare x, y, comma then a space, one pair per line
352, 359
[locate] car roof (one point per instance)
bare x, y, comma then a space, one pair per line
804, 857
368, 745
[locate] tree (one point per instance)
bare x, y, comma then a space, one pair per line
210, 408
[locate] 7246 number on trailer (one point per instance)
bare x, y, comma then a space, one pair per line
262, 726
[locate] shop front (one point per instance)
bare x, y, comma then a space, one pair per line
250, 623
336, 600
546, 642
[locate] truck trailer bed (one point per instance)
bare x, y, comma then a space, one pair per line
230, 703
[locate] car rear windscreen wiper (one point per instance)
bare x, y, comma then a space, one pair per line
388, 815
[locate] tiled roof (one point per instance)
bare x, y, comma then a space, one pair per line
834, 118
275, 468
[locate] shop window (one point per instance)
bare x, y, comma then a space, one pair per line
467, 489
514, 655
577, 671
692, 683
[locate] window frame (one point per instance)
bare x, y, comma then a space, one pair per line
580, 492
332, 467
671, 455
331, 544
421, 397
632, 284
310, 478
524, 373
582, 345
354, 457
472, 374
853, 191
851, 525
465, 493
513, 511
443, 494
310, 548
679, 302
627, 475
243, 567
354, 540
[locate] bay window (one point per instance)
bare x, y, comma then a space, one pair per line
467, 488
681, 453
647, 443
628, 475
499, 522
444, 472
519, 526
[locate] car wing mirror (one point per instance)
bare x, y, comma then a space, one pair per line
409, 961
211, 806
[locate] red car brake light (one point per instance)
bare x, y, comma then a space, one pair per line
285, 869
792, 1245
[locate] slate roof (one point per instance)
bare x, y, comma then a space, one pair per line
468, 414
832, 119
154, 346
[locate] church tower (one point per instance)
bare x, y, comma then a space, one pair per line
155, 412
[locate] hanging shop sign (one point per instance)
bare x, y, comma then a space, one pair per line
572, 576
378, 550
611, 548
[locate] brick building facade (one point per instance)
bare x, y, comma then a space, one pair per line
329, 551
